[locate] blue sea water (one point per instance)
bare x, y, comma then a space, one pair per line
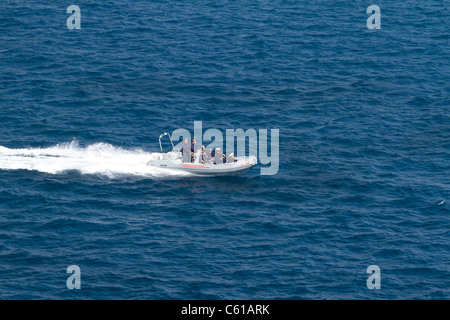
364, 174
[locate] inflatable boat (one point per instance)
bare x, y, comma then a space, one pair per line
214, 167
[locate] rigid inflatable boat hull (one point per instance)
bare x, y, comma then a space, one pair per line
235, 168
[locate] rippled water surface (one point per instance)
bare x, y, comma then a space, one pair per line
364, 140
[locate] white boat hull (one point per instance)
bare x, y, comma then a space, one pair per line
242, 165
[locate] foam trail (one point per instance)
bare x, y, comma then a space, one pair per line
99, 158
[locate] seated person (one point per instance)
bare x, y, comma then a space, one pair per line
230, 158
218, 156
205, 159
209, 154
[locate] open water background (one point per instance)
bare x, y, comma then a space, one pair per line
364, 170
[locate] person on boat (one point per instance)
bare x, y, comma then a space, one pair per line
218, 156
210, 154
193, 147
230, 158
204, 156
208, 157
185, 151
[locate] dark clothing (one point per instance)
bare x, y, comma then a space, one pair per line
204, 157
193, 145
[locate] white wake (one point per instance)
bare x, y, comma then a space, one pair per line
99, 158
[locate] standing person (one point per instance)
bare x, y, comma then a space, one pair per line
185, 151
193, 147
